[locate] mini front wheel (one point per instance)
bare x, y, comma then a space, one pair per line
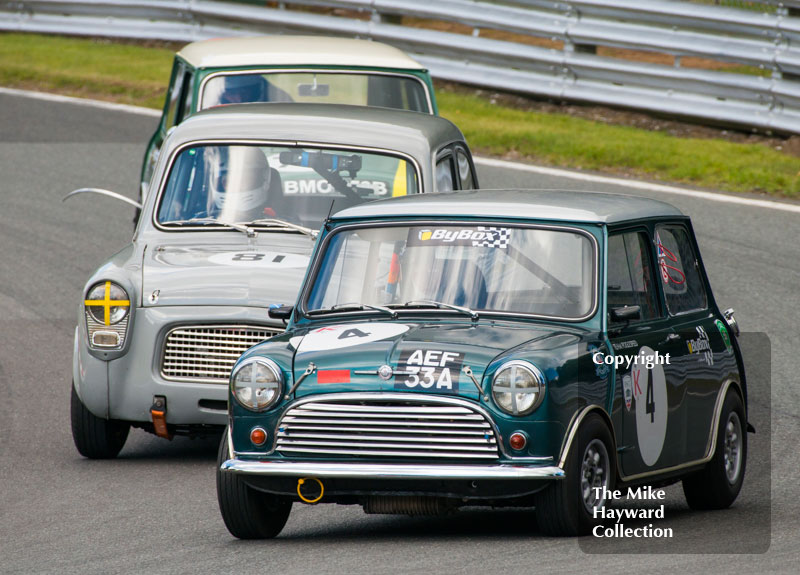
247, 513
567, 507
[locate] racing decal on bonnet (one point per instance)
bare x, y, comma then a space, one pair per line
347, 335
429, 369
479, 236
260, 259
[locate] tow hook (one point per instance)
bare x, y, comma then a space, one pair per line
310, 490
158, 413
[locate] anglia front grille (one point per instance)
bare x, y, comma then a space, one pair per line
207, 353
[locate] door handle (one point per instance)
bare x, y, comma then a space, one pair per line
670, 337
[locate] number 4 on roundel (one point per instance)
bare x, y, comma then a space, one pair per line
650, 395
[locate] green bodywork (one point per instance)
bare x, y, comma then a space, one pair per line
562, 350
190, 96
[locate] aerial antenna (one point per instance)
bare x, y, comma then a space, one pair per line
328, 217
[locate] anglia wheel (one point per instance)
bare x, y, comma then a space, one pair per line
95, 437
717, 485
567, 507
247, 513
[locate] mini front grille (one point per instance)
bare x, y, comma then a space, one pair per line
207, 353
386, 429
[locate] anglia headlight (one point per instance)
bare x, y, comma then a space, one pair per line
257, 383
107, 308
518, 387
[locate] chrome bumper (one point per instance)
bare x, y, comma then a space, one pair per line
389, 471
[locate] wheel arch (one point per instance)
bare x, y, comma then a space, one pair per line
575, 424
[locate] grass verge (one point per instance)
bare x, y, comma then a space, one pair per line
136, 74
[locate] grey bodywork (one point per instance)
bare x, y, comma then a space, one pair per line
171, 282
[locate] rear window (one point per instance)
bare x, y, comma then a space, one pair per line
380, 90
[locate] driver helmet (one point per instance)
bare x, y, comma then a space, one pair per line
239, 183
244, 88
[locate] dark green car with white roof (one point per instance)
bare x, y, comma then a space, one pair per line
495, 347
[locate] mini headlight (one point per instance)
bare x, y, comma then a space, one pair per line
107, 303
257, 383
518, 387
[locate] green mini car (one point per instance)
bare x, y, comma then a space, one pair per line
495, 347
305, 69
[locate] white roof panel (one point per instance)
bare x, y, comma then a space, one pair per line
295, 51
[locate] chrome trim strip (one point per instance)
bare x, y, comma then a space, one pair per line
574, 425
412, 397
202, 89
389, 471
261, 143
710, 446
409, 221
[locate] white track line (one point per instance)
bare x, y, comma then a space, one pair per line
638, 185
82, 102
632, 184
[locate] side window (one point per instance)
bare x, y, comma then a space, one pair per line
464, 170
630, 274
444, 174
175, 93
188, 84
677, 265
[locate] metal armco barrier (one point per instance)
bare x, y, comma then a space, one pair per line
553, 49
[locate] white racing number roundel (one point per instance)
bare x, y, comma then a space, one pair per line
348, 335
650, 395
260, 259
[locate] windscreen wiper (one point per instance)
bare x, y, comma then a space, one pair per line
283, 224
353, 306
439, 305
209, 220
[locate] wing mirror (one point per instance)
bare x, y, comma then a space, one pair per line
103, 192
282, 312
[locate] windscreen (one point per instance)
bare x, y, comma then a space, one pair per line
245, 184
547, 272
381, 90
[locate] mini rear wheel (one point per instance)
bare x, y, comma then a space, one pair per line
717, 485
247, 513
567, 507
95, 437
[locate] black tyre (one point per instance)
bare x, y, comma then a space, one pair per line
247, 513
95, 437
718, 484
566, 508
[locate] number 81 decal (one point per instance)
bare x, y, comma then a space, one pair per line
260, 259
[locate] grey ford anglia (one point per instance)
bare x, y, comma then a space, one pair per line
499, 348
238, 196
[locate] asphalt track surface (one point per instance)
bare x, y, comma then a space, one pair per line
154, 508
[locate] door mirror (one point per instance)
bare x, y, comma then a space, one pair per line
283, 312
627, 313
